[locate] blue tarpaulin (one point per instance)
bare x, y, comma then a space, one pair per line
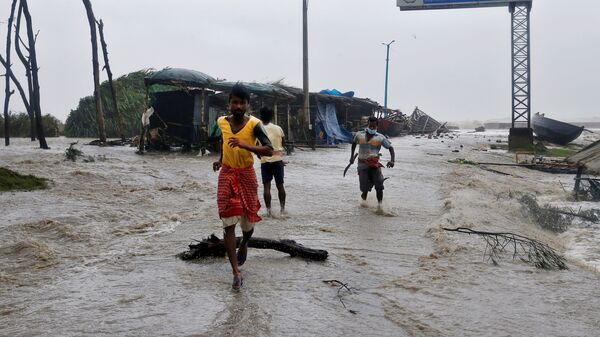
335, 92
327, 127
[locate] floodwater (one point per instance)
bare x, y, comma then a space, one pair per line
95, 254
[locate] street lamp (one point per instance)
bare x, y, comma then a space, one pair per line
387, 61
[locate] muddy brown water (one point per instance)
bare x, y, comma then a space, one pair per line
95, 254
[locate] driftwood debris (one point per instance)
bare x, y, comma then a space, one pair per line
213, 246
528, 250
342, 286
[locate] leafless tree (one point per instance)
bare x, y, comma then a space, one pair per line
27, 65
7, 90
96, 70
35, 99
113, 92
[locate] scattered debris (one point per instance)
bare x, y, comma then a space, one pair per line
548, 217
342, 286
72, 153
587, 189
528, 250
462, 161
485, 168
116, 142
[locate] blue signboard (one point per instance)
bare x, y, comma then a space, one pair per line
447, 4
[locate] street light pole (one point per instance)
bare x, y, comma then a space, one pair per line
387, 61
306, 105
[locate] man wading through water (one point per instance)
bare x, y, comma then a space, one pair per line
237, 196
369, 168
272, 167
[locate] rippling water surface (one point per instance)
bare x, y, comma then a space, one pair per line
95, 254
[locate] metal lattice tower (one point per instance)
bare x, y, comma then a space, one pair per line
521, 72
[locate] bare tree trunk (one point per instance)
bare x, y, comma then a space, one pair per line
113, 92
97, 98
27, 66
7, 90
35, 100
16, 82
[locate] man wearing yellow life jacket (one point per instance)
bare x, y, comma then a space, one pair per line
237, 196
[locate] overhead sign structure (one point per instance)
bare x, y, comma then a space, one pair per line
521, 134
410, 5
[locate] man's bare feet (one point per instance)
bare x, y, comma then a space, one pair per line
242, 253
238, 282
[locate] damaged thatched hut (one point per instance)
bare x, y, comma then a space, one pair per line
177, 100
185, 104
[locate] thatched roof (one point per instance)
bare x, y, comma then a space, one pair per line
180, 77
254, 88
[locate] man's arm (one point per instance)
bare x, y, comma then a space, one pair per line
266, 149
391, 163
353, 149
217, 164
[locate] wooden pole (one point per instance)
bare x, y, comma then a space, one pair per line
290, 137
113, 92
35, 100
96, 71
306, 105
275, 119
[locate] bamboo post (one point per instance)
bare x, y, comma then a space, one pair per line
289, 124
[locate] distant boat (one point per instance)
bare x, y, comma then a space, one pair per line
554, 131
480, 129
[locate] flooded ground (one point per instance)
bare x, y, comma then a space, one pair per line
95, 254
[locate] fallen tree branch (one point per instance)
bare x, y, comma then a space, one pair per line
213, 246
528, 250
342, 286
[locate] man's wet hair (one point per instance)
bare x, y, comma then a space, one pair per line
373, 119
266, 115
239, 91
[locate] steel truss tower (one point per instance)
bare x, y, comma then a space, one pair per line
521, 71
521, 134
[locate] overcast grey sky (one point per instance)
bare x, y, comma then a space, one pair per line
453, 64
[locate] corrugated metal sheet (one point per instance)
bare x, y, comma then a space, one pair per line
588, 157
